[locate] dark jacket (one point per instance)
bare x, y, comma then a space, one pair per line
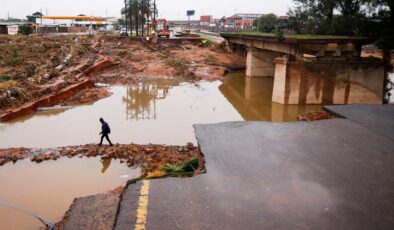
105, 129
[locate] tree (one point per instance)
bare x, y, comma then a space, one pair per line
138, 13
383, 28
37, 14
25, 30
266, 23
31, 19
371, 18
312, 16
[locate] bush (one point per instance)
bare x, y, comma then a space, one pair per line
12, 57
279, 34
25, 30
5, 77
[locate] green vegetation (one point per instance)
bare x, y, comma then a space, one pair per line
332, 19
12, 56
293, 36
185, 169
5, 77
266, 23
369, 18
25, 30
34, 16
279, 34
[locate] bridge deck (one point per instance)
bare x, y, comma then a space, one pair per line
298, 45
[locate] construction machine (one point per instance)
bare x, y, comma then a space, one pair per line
162, 29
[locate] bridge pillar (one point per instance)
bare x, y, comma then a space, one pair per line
260, 63
331, 81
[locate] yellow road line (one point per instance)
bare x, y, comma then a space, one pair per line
142, 211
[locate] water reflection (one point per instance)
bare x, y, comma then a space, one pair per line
106, 163
252, 98
389, 97
141, 100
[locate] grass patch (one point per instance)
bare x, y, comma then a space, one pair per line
185, 169
292, 36
5, 77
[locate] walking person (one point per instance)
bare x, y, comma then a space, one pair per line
105, 130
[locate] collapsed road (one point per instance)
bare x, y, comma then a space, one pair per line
332, 174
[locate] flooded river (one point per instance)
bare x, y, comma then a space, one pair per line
154, 111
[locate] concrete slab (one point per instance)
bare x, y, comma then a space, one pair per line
379, 118
332, 174
95, 212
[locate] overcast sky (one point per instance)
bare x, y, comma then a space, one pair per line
170, 9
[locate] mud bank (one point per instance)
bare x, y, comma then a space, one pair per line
150, 158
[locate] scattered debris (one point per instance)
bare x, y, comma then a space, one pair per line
150, 158
314, 116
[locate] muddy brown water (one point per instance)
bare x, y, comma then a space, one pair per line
160, 111
155, 111
48, 189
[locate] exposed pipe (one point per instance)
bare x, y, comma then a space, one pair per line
45, 221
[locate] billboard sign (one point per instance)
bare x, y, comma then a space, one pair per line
190, 13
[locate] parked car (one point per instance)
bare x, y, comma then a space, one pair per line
123, 32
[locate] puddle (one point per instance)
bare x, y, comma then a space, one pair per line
48, 189
155, 111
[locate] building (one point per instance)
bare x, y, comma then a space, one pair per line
233, 22
11, 28
241, 21
3, 28
206, 21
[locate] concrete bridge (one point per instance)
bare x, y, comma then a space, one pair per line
312, 70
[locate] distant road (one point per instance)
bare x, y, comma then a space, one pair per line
210, 35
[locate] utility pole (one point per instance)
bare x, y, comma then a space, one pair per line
142, 17
154, 15
125, 15
131, 17
154, 11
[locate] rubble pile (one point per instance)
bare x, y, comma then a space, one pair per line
314, 116
13, 155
